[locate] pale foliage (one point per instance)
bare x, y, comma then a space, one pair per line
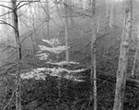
54, 50
63, 63
57, 71
41, 73
35, 73
43, 56
52, 42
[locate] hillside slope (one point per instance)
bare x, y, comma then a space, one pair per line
108, 44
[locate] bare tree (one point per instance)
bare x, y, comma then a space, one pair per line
19, 54
123, 58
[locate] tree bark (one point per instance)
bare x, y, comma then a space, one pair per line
136, 55
123, 58
93, 93
19, 55
66, 31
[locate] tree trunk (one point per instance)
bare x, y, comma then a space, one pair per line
107, 8
93, 79
47, 10
123, 58
19, 55
114, 14
111, 14
70, 11
134, 62
98, 24
33, 40
136, 55
66, 31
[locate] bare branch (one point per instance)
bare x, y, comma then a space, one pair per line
48, 15
31, 33
9, 46
5, 6
3, 22
29, 2
6, 13
17, 6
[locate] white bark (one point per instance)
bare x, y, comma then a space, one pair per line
123, 58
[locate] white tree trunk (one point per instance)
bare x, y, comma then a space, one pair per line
123, 58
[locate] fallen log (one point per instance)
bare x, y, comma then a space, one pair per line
112, 78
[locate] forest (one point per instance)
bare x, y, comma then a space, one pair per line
69, 55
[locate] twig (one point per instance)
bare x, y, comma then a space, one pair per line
9, 101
